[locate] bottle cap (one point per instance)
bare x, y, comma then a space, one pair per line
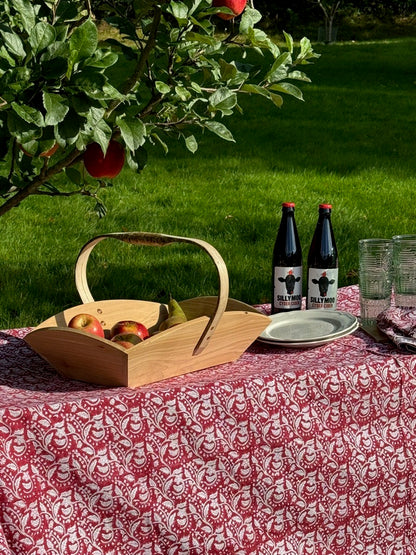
327, 206
288, 204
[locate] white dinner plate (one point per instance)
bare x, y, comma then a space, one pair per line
308, 328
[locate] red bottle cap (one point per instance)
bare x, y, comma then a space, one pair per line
328, 206
288, 204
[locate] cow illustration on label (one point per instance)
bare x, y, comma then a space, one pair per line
323, 285
290, 281
288, 288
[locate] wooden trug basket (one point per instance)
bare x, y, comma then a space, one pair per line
218, 329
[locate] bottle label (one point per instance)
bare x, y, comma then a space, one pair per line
322, 288
287, 292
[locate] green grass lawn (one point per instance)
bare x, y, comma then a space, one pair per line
351, 143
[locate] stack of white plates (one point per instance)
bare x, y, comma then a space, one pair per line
308, 328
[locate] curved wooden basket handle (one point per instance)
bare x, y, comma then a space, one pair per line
159, 240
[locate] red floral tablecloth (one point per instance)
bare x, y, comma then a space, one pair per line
282, 452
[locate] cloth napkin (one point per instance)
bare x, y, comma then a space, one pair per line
399, 324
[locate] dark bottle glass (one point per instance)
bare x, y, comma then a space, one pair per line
287, 264
323, 263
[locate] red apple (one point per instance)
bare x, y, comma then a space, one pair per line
129, 326
126, 340
87, 323
98, 165
237, 6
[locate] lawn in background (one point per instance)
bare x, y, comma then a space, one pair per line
351, 143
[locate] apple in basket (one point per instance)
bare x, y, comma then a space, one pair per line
126, 340
129, 327
87, 323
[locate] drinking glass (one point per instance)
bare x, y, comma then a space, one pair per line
375, 278
404, 270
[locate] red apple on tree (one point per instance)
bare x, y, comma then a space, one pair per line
126, 340
237, 6
87, 323
128, 327
99, 165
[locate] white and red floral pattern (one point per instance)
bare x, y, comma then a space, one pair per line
281, 452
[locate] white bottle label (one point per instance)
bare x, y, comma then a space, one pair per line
287, 294
322, 288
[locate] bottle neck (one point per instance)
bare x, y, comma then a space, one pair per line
287, 250
323, 251
290, 243
327, 247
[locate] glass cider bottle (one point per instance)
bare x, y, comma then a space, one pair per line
287, 264
323, 263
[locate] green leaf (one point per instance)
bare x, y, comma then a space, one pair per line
66, 10
20, 129
29, 114
306, 50
287, 88
6, 61
191, 144
30, 147
27, 12
69, 129
223, 9
259, 38
41, 36
203, 39
183, 93
179, 10
279, 67
299, 75
74, 176
276, 99
102, 134
13, 43
220, 130
162, 87
103, 60
249, 18
91, 82
133, 132
15, 81
255, 89
83, 41
94, 115
57, 49
196, 87
228, 70
110, 93
160, 141
223, 100
289, 42
55, 108
137, 160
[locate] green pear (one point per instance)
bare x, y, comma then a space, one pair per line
176, 316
